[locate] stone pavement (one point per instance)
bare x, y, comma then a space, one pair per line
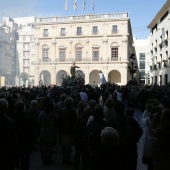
36, 162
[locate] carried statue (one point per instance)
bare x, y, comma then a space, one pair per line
73, 70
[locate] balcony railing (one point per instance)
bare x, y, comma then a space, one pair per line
95, 32
62, 33
114, 32
45, 34
45, 59
79, 33
82, 60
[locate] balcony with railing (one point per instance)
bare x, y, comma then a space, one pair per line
80, 60
62, 34
79, 32
45, 59
45, 34
95, 33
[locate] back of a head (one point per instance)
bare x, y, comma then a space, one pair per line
98, 112
34, 103
92, 104
81, 105
63, 97
109, 137
119, 108
109, 103
20, 106
3, 105
69, 103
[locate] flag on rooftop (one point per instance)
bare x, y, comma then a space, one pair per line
84, 4
66, 5
93, 4
75, 5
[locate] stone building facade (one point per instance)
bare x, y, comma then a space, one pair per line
159, 46
93, 42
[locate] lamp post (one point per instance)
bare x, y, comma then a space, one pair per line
132, 67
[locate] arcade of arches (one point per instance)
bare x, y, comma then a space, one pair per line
114, 76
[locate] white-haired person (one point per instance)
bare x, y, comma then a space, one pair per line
111, 155
7, 138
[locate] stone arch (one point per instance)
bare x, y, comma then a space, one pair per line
114, 44
94, 77
114, 76
59, 77
45, 77
45, 46
79, 45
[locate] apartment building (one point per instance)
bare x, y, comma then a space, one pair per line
7, 54
93, 42
143, 57
25, 50
160, 47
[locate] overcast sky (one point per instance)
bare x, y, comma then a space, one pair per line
141, 12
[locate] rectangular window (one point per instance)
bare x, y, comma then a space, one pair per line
78, 54
142, 56
63, 31
142, 74
26, 53
114, 54
62, 55
95, 54
142, 65
45, 32
95, 30
45, 53
26, 46
114, 29
79, 30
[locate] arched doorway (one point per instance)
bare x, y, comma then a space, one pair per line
94, 78
114, 77
45, 77
60, 75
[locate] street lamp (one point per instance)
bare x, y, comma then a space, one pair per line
132, 67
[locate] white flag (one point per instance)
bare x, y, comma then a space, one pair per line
75, 5
66, 5
84, 5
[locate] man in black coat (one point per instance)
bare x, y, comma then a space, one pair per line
7, 138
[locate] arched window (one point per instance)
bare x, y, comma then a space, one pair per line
45, 53
78, 52
114, 51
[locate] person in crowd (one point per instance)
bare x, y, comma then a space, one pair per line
161, 131
67, 122
48, 130
93, 130
8, 138
111, 155
109, 111
24, 129
32, 113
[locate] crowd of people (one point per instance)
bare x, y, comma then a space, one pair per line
104, 134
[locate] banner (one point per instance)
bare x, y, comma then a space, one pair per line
66, 5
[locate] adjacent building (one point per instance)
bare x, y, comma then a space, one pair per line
160, 47
143, 56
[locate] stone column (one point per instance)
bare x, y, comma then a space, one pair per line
36, 64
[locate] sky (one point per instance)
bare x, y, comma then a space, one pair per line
141, 12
